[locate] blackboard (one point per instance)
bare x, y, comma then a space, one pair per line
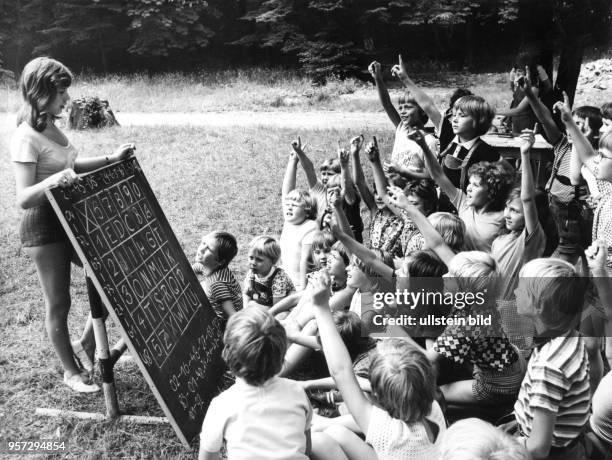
145, 280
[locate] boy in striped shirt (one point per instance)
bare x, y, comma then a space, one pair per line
554, 401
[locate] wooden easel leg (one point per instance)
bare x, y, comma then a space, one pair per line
117, 351
106, 363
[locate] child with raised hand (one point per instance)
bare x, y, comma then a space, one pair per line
265, 283
475, 439
524, 241
553, 404
562, 193
472, 117
330, 169
406, 157
300, 213
215, 252
262, 416
481, 205
402, 421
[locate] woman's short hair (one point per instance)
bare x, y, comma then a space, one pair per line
266, 246
39, 83
310, 202
477, 108
556, 290
475, 439
497, 181
254, 345
402, 379
425, 189
450, 227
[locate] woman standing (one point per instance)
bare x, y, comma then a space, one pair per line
43, 157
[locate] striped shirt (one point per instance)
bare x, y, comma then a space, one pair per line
221, 286
557, 380
561, 168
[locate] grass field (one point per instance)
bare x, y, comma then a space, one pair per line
204, 180
259, 90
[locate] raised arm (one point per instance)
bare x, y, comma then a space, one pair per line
377, 170
359, 178
309, 169
422, 98
580, 142
434, 241
335, 200
530, 210
336, 354
383, 95
432, 165
521, 108
350, 194
367, 256
542, 113
290, 173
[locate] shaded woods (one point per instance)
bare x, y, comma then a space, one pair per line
322, 37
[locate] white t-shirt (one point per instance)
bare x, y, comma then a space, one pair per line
259, 422
30, 146
393, 439
407, 153
291, 240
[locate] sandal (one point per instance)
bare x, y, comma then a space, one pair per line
82, 357
76, 383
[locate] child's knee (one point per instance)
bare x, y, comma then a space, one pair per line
340, 434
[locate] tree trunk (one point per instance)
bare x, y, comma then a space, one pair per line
569, 67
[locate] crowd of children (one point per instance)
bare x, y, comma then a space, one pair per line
317, 319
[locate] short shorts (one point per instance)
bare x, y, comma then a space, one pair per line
40, 225
499, 387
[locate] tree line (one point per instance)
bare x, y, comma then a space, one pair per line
321, 37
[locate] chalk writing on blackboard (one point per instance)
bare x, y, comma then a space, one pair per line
144, 278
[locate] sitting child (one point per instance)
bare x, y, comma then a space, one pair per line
555, 398
261, 416
265, 284
475, 439
214, 254
402, 421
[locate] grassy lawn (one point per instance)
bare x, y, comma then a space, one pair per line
204, 180
259, 90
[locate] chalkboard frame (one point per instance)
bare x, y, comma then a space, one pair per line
59, 198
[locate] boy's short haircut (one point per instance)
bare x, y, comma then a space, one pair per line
402, 380
254, 345
591, 113
266, 246
497, 180
322, 240
331, 164
424, 264
476, 439
408, 98
309, 201
425, 189
557, 291
341, 250
450, 227
475, 271
479, 109
605, 141
227, 247
606, 111
349, 327
458, 94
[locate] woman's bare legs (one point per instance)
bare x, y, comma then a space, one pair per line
53, 267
